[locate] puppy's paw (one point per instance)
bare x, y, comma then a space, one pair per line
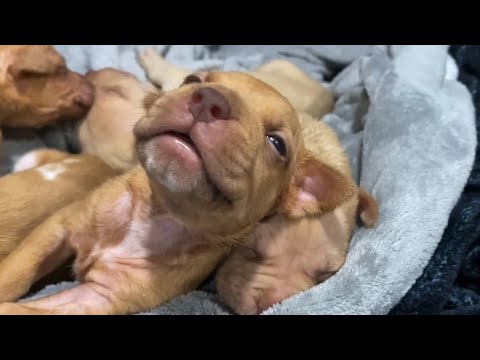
148, 59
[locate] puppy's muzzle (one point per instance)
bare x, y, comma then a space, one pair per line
209, 105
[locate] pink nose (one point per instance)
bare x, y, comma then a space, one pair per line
209, 104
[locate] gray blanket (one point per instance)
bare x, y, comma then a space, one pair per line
408, 126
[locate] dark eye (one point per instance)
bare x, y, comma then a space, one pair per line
30, 74
190, 79
279, 144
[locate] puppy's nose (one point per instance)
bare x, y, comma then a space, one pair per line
209, 104
85, 97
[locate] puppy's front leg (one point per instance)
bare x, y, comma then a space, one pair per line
159, 72
125, 290
39, 254
85, 299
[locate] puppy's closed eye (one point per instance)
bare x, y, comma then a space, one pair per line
28, 74
115, 90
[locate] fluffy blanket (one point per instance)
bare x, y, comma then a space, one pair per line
408, 126
450, 284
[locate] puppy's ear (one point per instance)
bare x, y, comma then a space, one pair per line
150, 98
316, 189
35, 60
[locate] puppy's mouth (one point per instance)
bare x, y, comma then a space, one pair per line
184, 139
185, 147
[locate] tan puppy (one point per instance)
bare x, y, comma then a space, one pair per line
217, 156
107, 130
44, 181
287, 256
37, 88
304, 93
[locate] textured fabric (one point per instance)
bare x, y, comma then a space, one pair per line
409, 129
450, 283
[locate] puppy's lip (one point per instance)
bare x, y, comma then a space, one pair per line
144, 134
183, 138
148, 134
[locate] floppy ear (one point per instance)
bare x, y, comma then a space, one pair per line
35, 60
316, 188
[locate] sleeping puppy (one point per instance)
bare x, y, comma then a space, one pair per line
288, 256
57, 179
304, 93
217, 156
107, 130
37, 88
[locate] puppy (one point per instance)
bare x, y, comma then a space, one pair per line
217, 156
107, 130
37, 88
303, 92
288, 256
43, 182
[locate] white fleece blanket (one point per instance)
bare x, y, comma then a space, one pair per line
408, 126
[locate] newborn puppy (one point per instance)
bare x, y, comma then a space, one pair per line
37, 88
288, 256
303, 92
217, 156
107, 130
43, 182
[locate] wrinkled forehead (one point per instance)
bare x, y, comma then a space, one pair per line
267, 102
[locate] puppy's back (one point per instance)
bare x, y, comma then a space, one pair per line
303, 92
28, 197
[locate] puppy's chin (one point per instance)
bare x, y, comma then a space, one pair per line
173, 165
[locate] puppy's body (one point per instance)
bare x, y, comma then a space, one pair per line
304, 93
107, 130
44, 182
217, 156
284, 256
119, 237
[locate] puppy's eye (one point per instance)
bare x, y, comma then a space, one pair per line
190, 79
279, 144
30, 74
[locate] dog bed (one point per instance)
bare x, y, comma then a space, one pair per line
408, 126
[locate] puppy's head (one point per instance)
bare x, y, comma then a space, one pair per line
38, 89
226, 150
106, 131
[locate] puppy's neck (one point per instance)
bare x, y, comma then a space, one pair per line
155, 196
